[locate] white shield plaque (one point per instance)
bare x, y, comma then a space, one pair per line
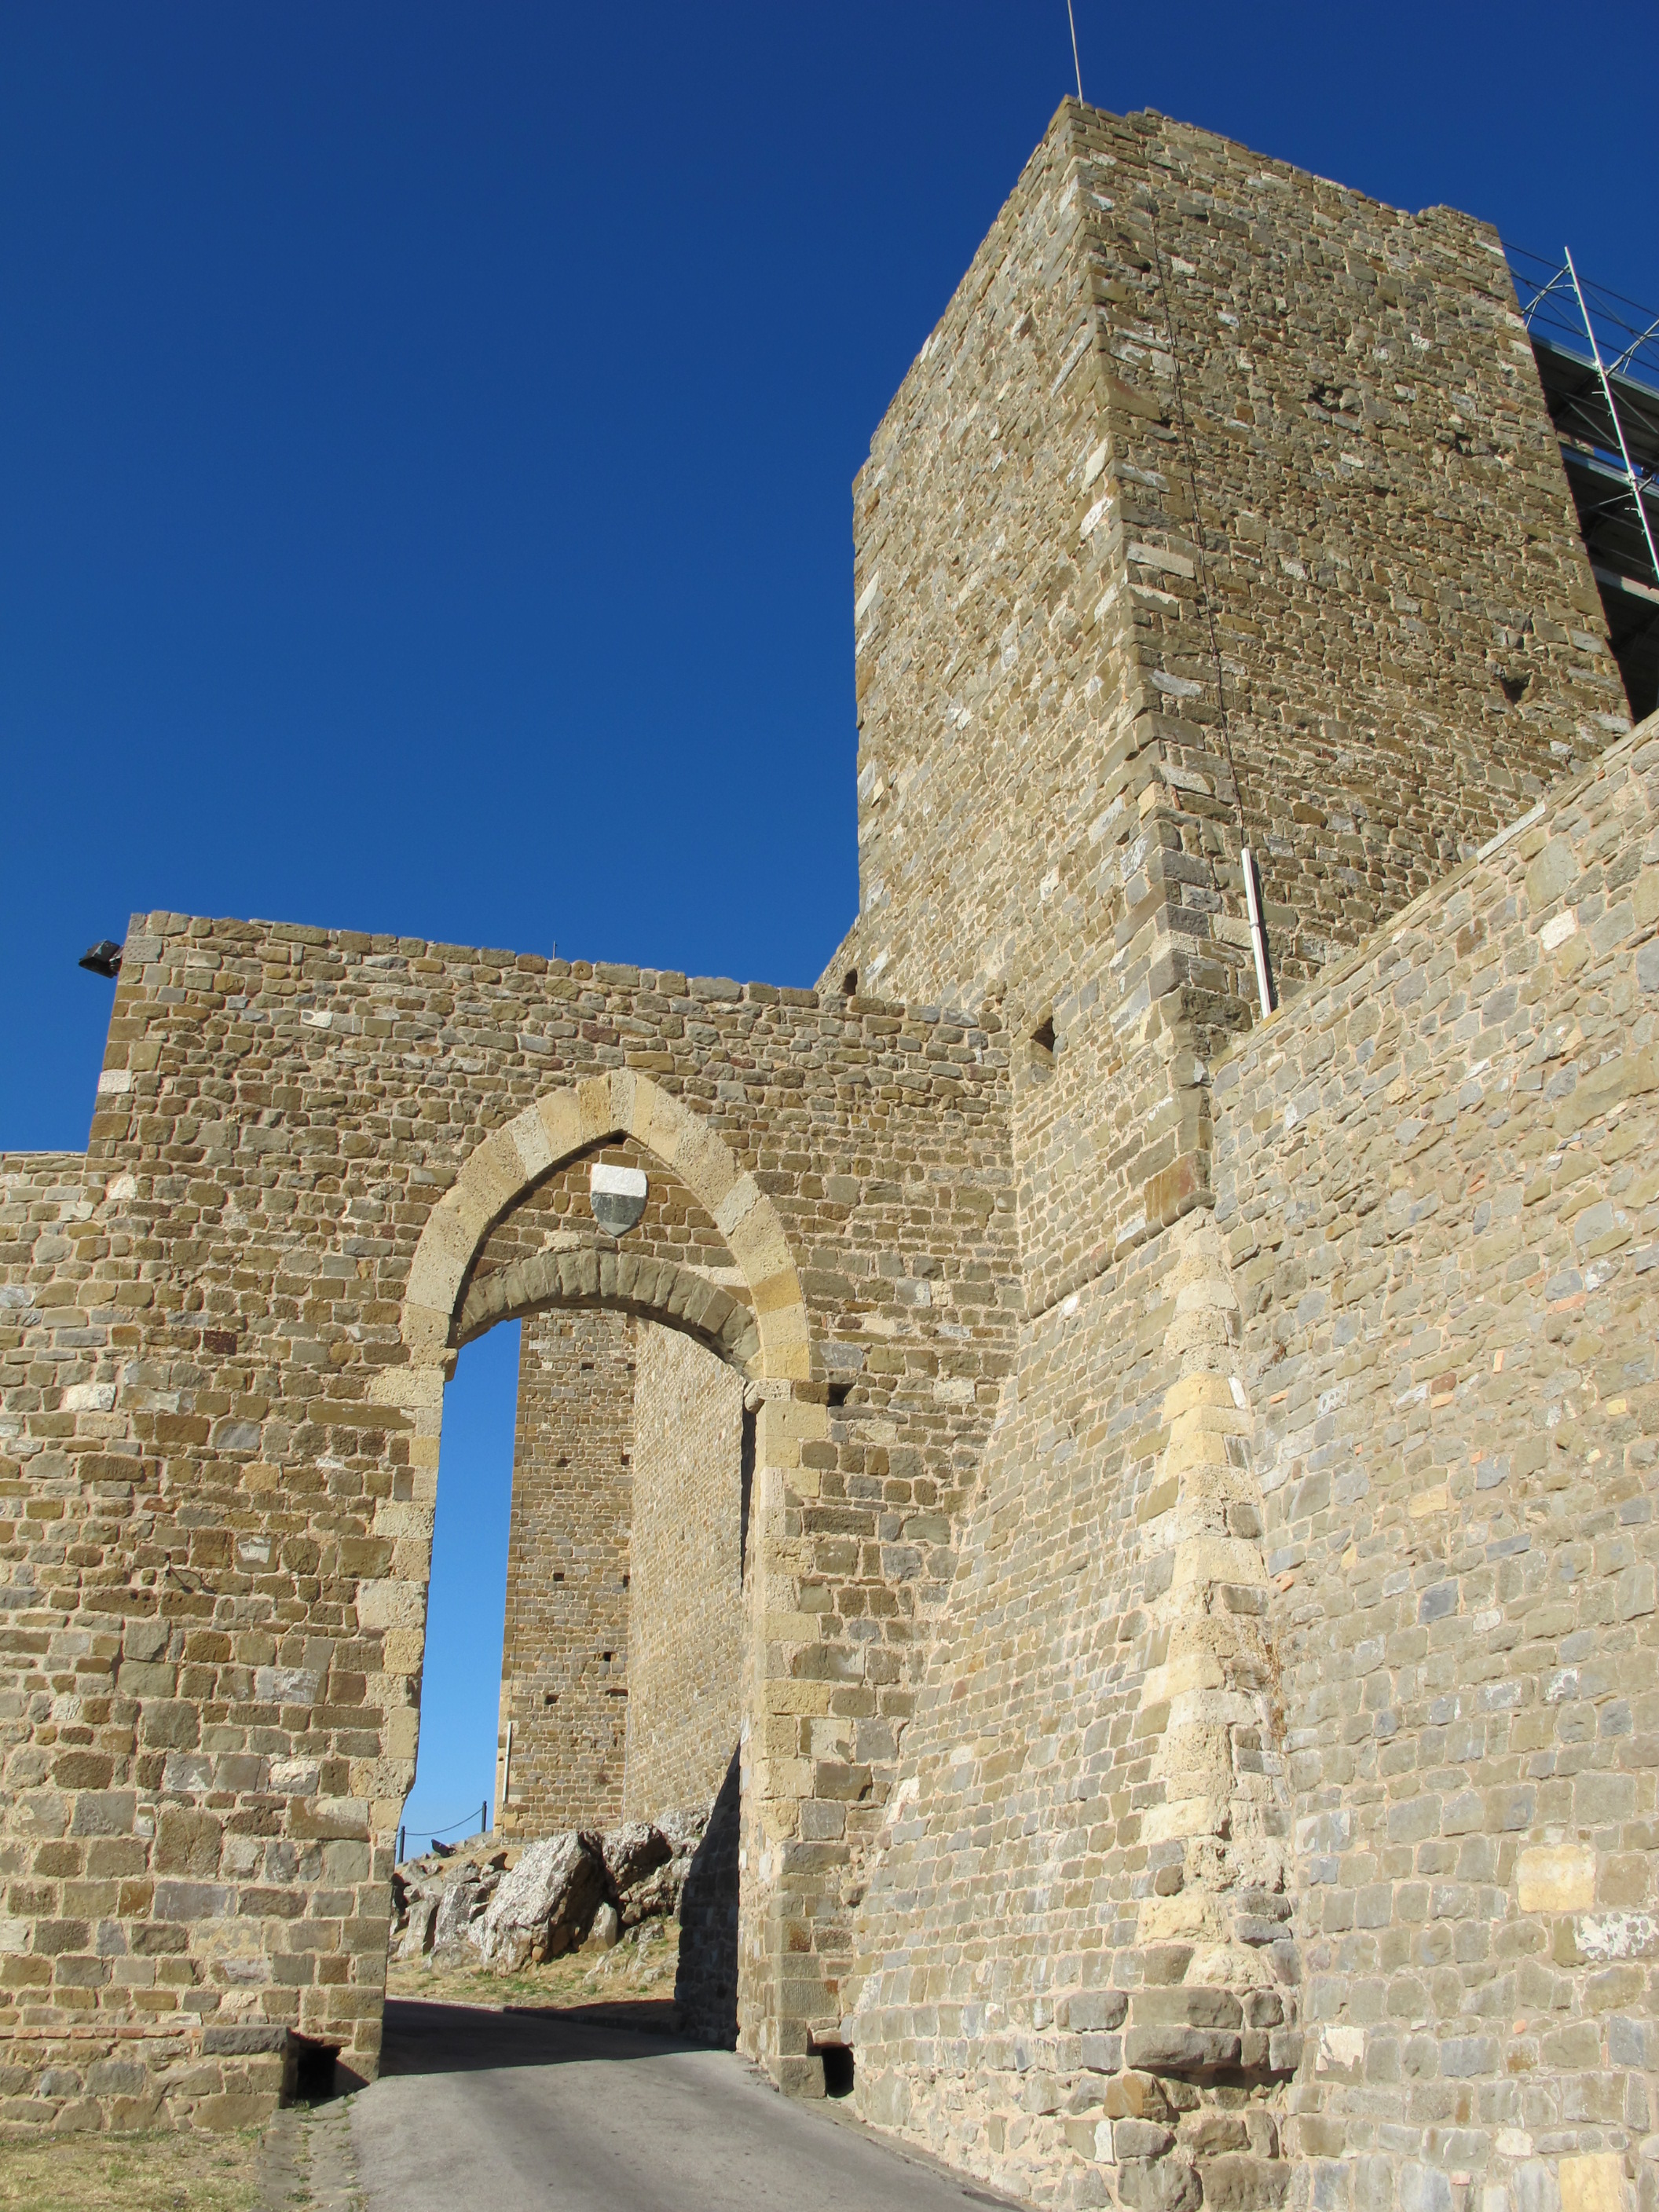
617, 1196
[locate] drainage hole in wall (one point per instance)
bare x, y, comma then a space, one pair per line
313, 2070
837, 2069
1042, 1036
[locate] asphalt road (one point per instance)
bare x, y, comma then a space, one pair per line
483, 2111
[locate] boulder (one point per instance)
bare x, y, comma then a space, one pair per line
459, 1907
683, 1830
420, 1927
512, 1950
654, 1893
656, 1897
606, 1929
427, 1880
545, 1906
633, 1851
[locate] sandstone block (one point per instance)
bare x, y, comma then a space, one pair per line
1556, 1878
1593, 2182
1140, 2139
1191, 2005
1175, 2050
1164, 2184
1236, 2183
1138, 2096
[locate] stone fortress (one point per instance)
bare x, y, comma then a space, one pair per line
1142, 1507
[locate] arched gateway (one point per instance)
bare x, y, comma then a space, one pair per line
763, 1332
320, 1163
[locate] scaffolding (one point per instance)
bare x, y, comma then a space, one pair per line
1598, 360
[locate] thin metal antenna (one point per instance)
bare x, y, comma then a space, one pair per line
1631, 476
1076, 63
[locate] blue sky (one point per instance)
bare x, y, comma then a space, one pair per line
403, 406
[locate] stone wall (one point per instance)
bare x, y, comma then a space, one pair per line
565, 1646
1391, 1409
999, 1935
686, 1625
215, 1599
1436, 1176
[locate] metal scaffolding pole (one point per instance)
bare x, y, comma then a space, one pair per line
1631, 476
1597, 357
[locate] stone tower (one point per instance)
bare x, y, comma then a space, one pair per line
1221, 508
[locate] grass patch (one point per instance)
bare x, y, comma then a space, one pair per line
182, 2171
642, 1965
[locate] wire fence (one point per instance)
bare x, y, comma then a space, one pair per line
436, 1835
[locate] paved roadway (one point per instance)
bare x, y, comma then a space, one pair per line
485, 2112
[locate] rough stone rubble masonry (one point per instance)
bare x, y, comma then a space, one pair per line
564, 1660
1195, 1633
623, 1650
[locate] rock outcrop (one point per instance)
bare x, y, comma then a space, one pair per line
439, 1898
518, 1906
545, 1906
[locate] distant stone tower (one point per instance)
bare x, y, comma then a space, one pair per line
621, 1656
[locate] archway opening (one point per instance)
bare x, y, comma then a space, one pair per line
621, 1611
452, 1799
481, 1259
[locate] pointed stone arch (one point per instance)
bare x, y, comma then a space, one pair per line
652, 1290
544, 1136
768, 1339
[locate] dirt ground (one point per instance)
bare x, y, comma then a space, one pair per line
641, 1966
164, 2172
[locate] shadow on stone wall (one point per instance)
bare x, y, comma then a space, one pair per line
706, 1986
